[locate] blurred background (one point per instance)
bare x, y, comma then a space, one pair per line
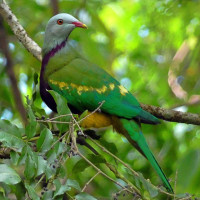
151, 47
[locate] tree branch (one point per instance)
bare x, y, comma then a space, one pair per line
10, 72
35, 50
55, 6
19, 31
172, 115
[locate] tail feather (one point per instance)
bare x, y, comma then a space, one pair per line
131, 130
147, 118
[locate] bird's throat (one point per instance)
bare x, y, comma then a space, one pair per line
52, 52
44, 86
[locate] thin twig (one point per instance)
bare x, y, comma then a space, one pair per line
75, 148
97, 109
102, 173
73, 138
53, 118
49, 121
176, 176
39, 181
59, 139
70, 196
111, 154
90, 181
77, 125
126, 165
120, 176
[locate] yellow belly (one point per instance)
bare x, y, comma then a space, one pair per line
96, 120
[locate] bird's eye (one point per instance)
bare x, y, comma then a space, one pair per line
60, 21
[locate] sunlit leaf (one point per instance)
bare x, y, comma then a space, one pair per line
62, 109
2, 191
82, 164
60, 189
10, 128
11, 140
31, 192
47, 195
30, 129
8, 175
45, 140
109, 145
83, 115
14, 157
41, 166
84, 196
153, 191
30, 167
73, 183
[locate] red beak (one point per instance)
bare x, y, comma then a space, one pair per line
79, 24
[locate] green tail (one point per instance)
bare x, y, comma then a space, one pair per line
135, 136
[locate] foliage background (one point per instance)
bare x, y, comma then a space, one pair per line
135, 41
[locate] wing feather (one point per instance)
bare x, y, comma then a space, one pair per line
85, 86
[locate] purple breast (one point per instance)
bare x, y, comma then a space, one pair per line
44, 86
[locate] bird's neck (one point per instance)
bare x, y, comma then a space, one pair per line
44, 86
52, 52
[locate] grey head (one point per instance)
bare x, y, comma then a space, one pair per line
58, 29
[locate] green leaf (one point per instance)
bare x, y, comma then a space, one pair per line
31, 192
30, 129
84, 114
84, 196
51, 156
2, 191
49, 172
61, 103
23, 155
62, 109
10, 129
14, 157
96, 159
60, 189
19, 190
74, 184
153, 191
2, 197
30, 167
81, 165
188, 168
61, 147
109, 145
11, 140
31, 163
35, 78
45, 140
41, 167
47, 195
11, 135
8, 175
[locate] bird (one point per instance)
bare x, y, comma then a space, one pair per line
87, 86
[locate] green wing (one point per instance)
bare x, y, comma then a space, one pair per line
85, 86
